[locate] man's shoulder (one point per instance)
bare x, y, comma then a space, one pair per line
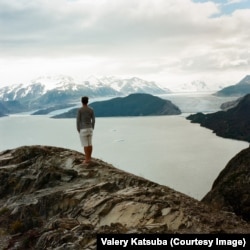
84, 109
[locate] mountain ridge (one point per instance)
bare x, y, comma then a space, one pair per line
50, 92
42, 85
47, 92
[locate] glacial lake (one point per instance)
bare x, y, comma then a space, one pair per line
168, 150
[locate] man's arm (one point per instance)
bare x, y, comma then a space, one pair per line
78, 121
93, 119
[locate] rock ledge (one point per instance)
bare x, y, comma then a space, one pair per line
50, 200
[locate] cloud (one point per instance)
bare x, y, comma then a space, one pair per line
139, 37
93, 25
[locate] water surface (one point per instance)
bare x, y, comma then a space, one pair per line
168, 150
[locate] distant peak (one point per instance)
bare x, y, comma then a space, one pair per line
245, 80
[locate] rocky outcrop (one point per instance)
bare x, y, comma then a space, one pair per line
231, 189
50, 200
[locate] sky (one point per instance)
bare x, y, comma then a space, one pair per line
170, 42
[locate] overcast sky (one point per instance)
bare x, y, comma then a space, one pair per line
167, 41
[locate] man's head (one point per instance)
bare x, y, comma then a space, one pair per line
85, 100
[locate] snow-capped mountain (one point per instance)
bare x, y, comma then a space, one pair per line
125, 86
55, 82
106, 86
46, 91
21, 91
133, 85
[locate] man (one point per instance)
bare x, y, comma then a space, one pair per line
85, 123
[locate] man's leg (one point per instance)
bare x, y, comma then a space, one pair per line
88, 153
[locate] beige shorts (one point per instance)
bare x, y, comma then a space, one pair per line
86, 137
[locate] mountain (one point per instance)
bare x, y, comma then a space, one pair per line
240, 89
50, 200
233, 123
128, 86
10, 107
47, 92
132, 105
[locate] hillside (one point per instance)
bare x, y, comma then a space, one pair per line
233, 123
50, 200
240, 89
231, 189
132, 105
9, 107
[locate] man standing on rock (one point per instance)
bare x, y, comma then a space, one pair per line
85, 123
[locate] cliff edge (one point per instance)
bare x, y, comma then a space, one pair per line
50, 200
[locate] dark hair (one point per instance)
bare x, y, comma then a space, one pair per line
85, 100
